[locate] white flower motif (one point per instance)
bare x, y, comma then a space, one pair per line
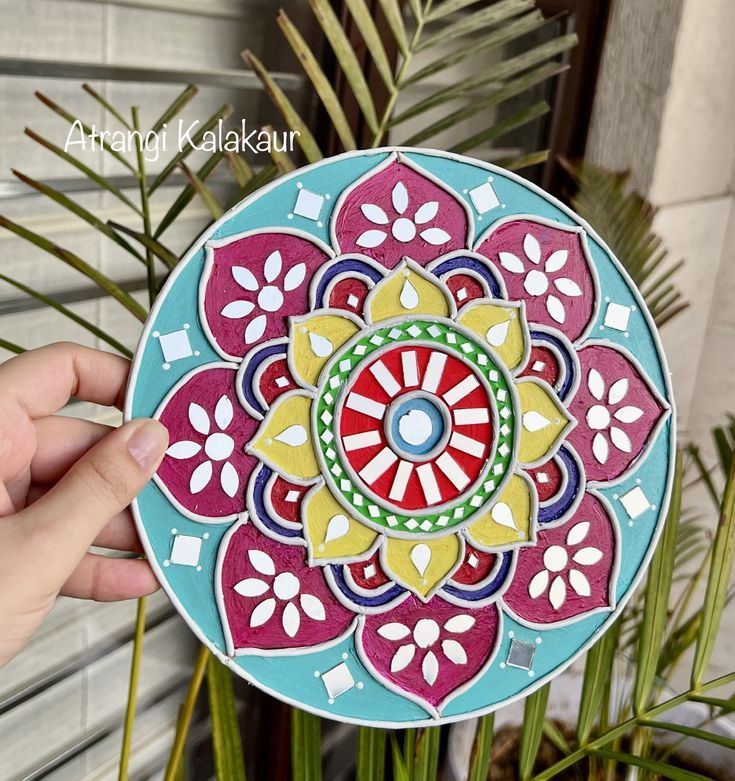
559, 561
537, 281
426, 635
218, 446
600, 419
402, 229
269, 296
285, 587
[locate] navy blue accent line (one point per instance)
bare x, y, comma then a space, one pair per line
552, 512
542, 336
261, 480
340, 267
486, 591
470, 264
359, 599
252, 367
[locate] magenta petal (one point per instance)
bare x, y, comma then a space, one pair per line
571, 571
398, 212
548, 268
206, 426
251, 285
270, 600
429, 651
617, 411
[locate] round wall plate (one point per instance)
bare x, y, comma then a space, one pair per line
421, 437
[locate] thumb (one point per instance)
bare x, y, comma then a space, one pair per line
101, 484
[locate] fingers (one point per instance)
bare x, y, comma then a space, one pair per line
106, 579
64, 522
120, 534
62, 442
42, 381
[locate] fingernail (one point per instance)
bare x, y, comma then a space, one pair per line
147, 443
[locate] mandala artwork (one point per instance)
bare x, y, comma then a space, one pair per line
420, 437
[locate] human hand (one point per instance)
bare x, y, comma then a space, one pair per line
65, 484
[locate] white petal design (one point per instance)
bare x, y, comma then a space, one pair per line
409, 297
435, 236
402, 658
534, 421
617, 391
262, 613
556, 309
337, 527
255, 329
200, 477
503, 515
426, 632
374, 213
459, 624
578, 532
245, 278
262, 562
600, 448
558, 592
532, 248
394, 631
620, 439
511, 262
556, 260
294, 436
596, 384
454, 652
294, 276
628, 414
420, 556
291, 619
538, 584
399, 196
199, 418
587, 556
313, 607
430, 668
237, 309
427, 211
579, 583
223, 412
183, 449
371, 238
498, 333
320, 345
567, 286
273, 265
251, 587
229, 479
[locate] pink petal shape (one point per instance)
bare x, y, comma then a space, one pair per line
205, 500
400, 191
293, 623
613, 366
528, 596
238, 270
571, 314
428, 675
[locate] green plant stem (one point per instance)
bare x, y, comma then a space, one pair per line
150, 260
132, 690
186, 713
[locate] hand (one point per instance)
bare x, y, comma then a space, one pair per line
65, 484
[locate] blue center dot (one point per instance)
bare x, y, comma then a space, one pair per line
417, 426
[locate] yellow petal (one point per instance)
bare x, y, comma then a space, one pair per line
422, 565
314, 339
508, 521
544, 422
408, 290
330, 532
500, 326
284, 441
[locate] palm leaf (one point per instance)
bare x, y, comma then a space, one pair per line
306, 754
11, 347
370, 754
426, 751
533, 723
228, 756
482, 746
214, 207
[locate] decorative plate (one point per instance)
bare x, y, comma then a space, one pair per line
421, 437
